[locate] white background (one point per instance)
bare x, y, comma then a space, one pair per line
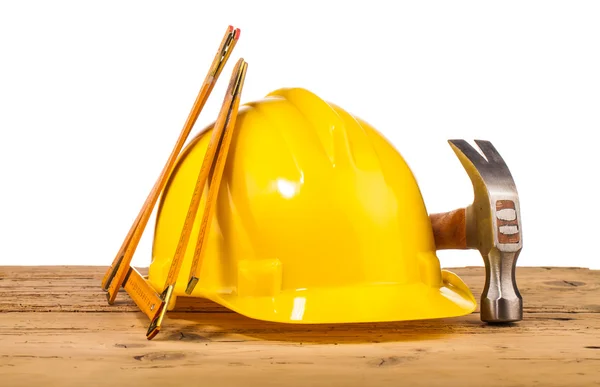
94, 94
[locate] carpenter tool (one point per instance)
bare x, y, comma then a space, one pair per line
491, 224
217, 173
212, 165
120, 268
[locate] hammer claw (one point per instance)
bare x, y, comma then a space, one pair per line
491, 169
464, 150
491, 153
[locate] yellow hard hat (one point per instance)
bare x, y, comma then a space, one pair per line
318, 219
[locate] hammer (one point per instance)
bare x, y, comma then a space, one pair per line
492, 225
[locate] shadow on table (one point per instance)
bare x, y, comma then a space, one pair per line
233, 327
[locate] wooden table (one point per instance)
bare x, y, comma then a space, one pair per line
56, 329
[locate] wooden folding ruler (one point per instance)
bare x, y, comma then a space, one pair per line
212, 165
120, 272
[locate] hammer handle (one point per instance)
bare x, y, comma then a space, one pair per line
449, 229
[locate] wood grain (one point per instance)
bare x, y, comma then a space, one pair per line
449, 229
512, 221
56, 329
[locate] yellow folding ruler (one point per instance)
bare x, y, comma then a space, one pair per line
120, 272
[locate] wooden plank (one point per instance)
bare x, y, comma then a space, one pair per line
557, 344
50, 289
227, 349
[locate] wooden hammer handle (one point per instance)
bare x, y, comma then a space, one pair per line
449, 229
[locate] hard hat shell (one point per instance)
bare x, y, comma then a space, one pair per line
318, 219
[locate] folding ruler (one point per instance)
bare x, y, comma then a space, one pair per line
120, 272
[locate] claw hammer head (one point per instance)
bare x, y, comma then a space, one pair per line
493, 226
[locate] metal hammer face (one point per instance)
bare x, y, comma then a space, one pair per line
493, 226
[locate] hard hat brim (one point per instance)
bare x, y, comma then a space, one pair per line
355, 304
